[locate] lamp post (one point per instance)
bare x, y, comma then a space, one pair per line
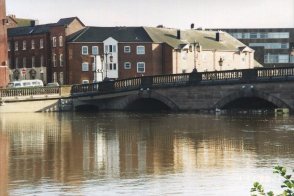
104, 56
220, 62
196, 49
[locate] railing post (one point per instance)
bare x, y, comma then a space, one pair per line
146, 82
195, 77
249, 75
106, 86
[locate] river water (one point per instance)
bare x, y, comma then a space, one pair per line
142, 153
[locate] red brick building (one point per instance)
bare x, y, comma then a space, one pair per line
39, 51
3, 46
127, 52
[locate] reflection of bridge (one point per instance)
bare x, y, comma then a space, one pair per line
257, 88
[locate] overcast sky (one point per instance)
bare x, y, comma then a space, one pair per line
170, 13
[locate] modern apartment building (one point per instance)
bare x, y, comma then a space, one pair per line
273, 46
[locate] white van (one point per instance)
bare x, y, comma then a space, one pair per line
25, 83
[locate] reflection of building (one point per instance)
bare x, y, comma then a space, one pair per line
39, 51
3, 45
273, 46
4, 168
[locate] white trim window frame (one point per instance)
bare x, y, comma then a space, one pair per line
85, 66
60, 41
85, 50
140, 50
127, 65
127, 49
95, 50
140, 67
54, 42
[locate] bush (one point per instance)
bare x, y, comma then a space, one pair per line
287, 186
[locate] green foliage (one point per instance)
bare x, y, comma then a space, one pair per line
287, 185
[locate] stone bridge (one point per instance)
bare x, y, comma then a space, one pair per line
252, 89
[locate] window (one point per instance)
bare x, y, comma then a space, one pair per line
140, 49
291, 59
110, 48
95, 50
127, 49
141, 67
54, 41
24, 45
127, 65
24, 62
54, 60
33, 44
61, 80
54, 77
42, 61
41, 43
16, 46
112, 66
33, 61
61, 60
9, 46
85, 67
16, 63
60, 41
276, 58
84, 50
253, 35
271, 45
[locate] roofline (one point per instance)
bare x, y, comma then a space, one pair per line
102, 42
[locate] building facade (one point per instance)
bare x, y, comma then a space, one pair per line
125, 52
273, 46
39, 51
3, 46
67, 52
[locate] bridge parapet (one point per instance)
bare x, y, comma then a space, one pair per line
186, 79
22, 92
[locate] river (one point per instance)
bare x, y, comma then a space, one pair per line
114, 153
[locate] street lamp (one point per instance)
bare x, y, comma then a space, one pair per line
220, 62
196, 49
104, 56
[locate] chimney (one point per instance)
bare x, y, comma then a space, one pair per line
178, 34
33, 23
192, 26
219, 36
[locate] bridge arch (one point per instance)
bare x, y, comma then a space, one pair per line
250, 94
152, 95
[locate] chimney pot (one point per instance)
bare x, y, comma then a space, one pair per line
178, 34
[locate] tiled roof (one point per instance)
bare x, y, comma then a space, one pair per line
121, 34
67, 21
39, 29
29, 30
205, 38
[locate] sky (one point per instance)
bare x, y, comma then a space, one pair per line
169, 13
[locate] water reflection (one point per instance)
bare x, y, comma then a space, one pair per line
56, 150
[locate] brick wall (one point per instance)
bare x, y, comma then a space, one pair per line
3, 45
